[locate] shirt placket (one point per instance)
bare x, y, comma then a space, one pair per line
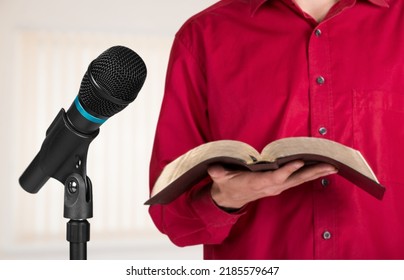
321, 126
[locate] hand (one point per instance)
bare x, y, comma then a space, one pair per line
234, 189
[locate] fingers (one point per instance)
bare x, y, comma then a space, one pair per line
283, 173
237, 188
290, 174
309, 173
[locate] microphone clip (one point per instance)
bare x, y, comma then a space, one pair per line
63, 156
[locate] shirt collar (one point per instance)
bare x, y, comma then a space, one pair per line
256, 4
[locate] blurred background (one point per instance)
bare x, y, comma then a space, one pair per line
45, 49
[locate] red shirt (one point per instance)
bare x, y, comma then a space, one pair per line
257, 71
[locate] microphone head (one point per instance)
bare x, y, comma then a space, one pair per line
112, 81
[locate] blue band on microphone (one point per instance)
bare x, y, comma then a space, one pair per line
85, 114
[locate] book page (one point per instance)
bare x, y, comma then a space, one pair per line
204, 152
318, 146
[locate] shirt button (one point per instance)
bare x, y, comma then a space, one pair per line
325, 182
322, 130
320, 80
317, 32
326, 235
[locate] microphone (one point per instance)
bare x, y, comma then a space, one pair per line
112, 81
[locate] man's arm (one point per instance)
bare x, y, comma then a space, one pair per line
193, 218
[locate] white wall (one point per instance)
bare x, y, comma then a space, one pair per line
33, 38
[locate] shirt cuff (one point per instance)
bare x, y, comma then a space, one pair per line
210, 212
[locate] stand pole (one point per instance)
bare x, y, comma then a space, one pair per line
78, 234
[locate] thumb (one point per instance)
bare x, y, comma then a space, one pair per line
216, 172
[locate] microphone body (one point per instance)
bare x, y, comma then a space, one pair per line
111, 82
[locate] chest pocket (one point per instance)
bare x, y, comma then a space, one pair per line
378, 128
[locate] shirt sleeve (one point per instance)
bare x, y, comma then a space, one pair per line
193, 218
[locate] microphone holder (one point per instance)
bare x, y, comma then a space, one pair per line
78, 198
63, 156
78, 206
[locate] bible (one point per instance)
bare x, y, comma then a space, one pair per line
191, 167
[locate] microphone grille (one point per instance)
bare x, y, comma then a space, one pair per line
112, 81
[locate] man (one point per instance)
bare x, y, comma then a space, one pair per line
261, 70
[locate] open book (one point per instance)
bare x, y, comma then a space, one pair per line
191, 168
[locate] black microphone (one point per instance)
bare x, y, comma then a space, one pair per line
112, 81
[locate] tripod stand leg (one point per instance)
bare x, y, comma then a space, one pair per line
78, 234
